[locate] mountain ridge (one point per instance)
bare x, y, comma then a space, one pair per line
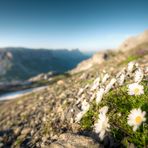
134, 41
137, 45
25, 63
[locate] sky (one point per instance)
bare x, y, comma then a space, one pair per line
84, 24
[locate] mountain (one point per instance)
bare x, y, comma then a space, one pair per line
135, 46
134, 41
23, 63
97, 58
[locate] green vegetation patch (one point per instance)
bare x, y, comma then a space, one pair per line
120, 104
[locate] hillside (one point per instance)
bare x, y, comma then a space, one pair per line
104, 105
137, 45
46, 116
134, 41
22, 63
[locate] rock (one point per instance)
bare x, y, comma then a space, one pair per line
75, 127
1, 145
17, 130
1, 139
97, 58
69, 140
60, 82
134, 41
26, 131
131, 145
54, 137
41, 97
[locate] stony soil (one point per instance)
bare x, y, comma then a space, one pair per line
46, 118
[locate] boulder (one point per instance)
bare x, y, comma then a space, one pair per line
68, 140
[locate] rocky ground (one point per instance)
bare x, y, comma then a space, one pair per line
46, 118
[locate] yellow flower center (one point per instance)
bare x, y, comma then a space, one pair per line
136, 90
138, 119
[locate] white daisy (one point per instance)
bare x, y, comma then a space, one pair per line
121, 72
137, 65
81, 90
80, 98
135, 89
95, 84
105, 78
79, 116
121, 79
146, 70
130, 66
86, 86
102, 125
119, 114
138, 75
110, 85
92, 97
104, 110
99, 95
85, 107
136, 117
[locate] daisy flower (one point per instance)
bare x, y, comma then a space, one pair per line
121, 72
85, 107
92, 97
102, 125
119, 114
105, 78
130, 66
104, 110
135, 118
81, 98
137, 65
138, 76
110, 85
146, 70
135, 89
121, 79
99, 95
79, 116
95, 84
81, 90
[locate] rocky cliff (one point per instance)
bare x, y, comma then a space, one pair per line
137, 45
133, 42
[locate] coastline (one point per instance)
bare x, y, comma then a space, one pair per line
21, 93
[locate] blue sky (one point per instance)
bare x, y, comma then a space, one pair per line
84, 24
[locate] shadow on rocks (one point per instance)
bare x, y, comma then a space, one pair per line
108, 142
6, 138
9, 139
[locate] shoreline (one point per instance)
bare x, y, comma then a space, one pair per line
20, 93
